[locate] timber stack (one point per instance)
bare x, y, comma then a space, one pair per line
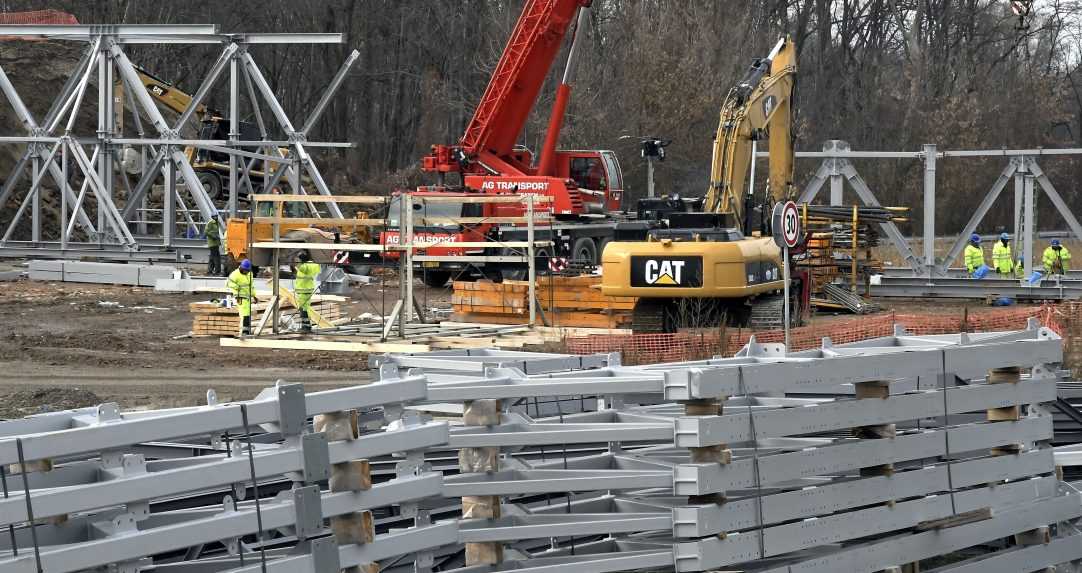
211, 319
564, 301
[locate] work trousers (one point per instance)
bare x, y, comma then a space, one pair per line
214, 262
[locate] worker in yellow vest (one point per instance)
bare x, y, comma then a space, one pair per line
974, 255
1056, 259
304, 286
239, 284
1001, 256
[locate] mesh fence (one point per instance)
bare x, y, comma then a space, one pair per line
649, 348
37, 17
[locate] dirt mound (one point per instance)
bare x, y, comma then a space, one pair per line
49, 399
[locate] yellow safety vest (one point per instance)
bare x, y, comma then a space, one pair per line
240, 284
974, 258
305, 281
1052, 260
1001, 258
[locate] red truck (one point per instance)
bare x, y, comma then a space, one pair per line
586, 187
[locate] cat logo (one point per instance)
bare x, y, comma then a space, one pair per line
663, 272
768, 105
671, 272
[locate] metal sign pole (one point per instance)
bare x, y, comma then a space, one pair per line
785, 271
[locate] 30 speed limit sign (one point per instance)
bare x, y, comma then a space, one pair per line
785, 222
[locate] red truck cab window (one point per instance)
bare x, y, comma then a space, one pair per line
589, 173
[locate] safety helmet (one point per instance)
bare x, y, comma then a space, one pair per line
1055, 242
246, 265
1004, 237
974, 238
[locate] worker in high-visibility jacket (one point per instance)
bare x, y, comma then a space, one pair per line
1002, 261
974, 255
240, 286
304, 286
1057, 259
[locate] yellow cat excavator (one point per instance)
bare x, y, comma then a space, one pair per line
211, 167
718, 265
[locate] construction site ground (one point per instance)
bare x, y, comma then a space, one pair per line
66, 345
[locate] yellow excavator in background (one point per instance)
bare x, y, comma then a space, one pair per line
211, 167
719, 266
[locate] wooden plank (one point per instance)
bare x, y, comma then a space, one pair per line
488, 286
266, 316
480, 199
465, 316
586, 305
583, 295
588, 320
273, 198
470, 258
325, 246
318, 345
321, 221
316, 317
488, 309
478, 220
488, 299
481, 244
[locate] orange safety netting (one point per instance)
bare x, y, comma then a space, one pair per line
648, 348
38, 17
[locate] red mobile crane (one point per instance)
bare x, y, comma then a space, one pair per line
586, 187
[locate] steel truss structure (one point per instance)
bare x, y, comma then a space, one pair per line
1022, 167
86, 168
863, 457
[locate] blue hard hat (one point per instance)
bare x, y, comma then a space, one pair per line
1004, 236
246, 265
974, 238
1055, 242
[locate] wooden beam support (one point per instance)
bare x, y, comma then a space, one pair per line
320, 346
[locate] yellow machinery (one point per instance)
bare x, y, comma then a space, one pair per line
211, 167
702, 269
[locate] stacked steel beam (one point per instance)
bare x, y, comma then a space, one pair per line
911, 449
873, 456
223, 487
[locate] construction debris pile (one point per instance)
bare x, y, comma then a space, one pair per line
912, 448
563, 301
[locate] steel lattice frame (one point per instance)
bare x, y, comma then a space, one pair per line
53, 151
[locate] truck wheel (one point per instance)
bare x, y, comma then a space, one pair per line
584, 251
212, 183
435, 279
541, 261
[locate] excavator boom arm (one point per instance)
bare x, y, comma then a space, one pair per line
757, 107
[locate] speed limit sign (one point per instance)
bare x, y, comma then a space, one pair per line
785, 222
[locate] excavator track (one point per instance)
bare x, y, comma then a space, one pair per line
648, 316
767, 312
